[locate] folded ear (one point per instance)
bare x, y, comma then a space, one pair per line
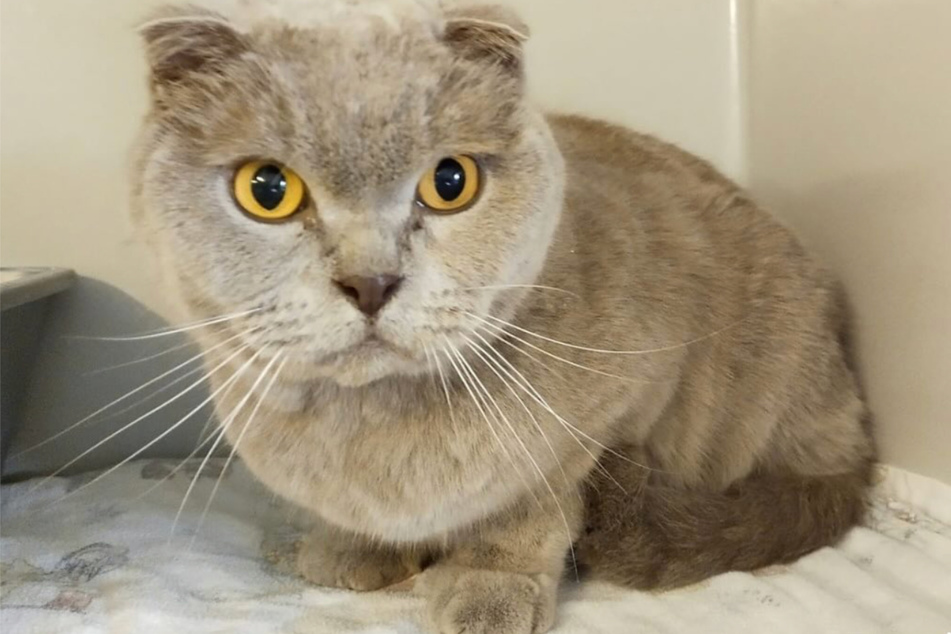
184, 40
491, 33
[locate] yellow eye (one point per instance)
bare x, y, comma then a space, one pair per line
450, 186
268, 191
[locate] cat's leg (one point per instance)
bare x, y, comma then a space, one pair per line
332, 558
504, 579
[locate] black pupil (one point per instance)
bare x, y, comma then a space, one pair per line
450, 179
269, 186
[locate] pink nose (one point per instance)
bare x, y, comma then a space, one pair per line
370, 293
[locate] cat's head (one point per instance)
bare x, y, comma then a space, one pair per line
359, 178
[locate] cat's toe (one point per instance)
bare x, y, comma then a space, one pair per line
360, 570
490, 602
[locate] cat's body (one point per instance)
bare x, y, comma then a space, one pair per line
702, 417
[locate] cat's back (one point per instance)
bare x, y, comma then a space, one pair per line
644, 201
637, 203
598, 150
697, 256
637, 189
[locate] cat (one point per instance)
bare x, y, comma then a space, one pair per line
486, 346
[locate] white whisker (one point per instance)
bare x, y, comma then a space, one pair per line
208, 429
155, 440
476, 348
480, 401
504, 287
572, 430
224, 428
197, 357
152, 395
171, 474
429, 365
619, 352
187, 344
172, 330
237, 442
445, 389
505, 333
531, 458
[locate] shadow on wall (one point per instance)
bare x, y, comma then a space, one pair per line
74, 377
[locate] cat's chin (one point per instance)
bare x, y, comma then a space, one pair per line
360, 376
367, 364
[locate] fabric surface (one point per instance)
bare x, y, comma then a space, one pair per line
83, 556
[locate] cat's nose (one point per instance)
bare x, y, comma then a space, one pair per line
370, 293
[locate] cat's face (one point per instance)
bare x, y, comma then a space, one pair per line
362, 110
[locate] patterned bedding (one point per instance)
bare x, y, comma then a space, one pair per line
101, 558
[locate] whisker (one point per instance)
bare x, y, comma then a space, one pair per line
102, 409
619, 352
224, 428
429, 365
545, 404
503, 287
187, 344
531, 458
237, 442
152, 395
445, 389
477, 349
135, 422
478, 403
172, 330
532, 392
171, 474
572, 430
207, 430
501, 415
155, 440
505, 333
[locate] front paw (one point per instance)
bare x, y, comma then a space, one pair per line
324, 562
468, 601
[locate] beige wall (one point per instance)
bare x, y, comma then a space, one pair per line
851, 144
668, 67
72, 94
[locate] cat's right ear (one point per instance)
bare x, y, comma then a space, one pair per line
491, 33
186, 41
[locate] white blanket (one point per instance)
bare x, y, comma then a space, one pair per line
101, 560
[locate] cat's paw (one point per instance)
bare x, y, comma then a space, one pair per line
467, 601
332, 565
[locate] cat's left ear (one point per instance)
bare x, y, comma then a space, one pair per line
183, 41
487, 33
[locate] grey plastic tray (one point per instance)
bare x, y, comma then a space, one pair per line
24, 295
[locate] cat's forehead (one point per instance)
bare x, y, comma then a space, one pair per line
365, 109
360, 94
